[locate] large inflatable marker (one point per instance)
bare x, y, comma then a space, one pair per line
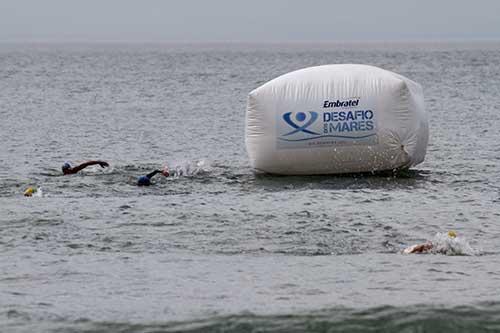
336, 119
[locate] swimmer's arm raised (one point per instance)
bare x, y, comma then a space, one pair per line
151, 174
89, 163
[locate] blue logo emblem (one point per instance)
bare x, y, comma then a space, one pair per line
301, 123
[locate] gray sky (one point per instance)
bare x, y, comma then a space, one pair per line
247, 20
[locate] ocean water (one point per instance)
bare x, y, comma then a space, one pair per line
216, 247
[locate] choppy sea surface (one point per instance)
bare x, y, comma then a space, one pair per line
216, 247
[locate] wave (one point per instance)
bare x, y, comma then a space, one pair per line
484, 317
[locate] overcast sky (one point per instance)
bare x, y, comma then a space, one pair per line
247, 20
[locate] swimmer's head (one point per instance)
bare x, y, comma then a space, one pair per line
143, 181
165, 171
452, 234
29, 191
65, 167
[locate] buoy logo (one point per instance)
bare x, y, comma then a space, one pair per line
301, 123
352, 124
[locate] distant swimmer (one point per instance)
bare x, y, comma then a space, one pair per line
146, 180
30, 191
433, 247
33, 191
67, 169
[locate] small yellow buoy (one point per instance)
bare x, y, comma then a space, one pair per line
452, 234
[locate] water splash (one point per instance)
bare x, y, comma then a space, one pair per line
458, 246
38, 193
190, 169
442, 243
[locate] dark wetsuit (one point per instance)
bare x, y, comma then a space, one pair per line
146, 180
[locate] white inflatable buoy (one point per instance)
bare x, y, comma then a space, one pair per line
336, 119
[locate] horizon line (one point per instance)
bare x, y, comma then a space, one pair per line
262, 42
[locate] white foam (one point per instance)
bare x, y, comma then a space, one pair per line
38, 193
189, 169
458, 246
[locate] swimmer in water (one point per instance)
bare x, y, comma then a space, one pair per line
146, 180
426, 247
67, 169
30, 191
